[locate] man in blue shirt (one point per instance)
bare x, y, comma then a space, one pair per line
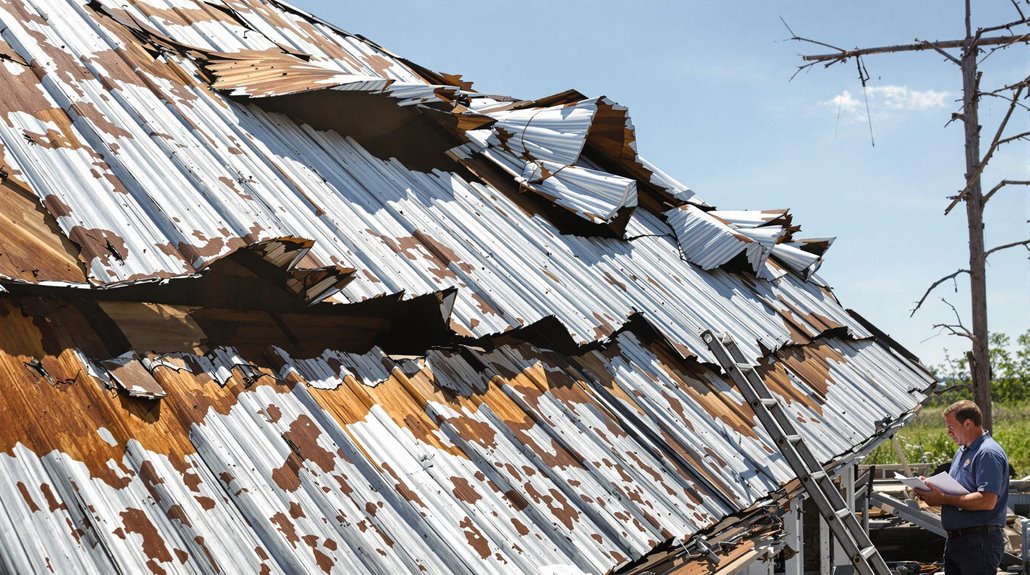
974, 521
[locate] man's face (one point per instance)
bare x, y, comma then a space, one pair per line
958, 432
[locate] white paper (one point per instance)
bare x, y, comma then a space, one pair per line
947, 484
913, 482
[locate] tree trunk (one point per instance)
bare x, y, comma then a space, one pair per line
980, 367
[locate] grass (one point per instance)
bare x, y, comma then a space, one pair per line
925, 440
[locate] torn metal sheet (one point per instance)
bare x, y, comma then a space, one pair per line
714, 238
131, 375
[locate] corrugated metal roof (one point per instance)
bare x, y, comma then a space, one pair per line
477, 461
231, 217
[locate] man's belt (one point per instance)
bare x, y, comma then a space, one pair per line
971, 530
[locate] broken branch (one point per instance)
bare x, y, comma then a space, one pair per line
940, 50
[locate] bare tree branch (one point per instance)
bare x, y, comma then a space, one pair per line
941, 50
1018, 9
1007, 26
933, 286
997, 141
954, 276
918, 47
1024, 82
956, 328
1006, 98
797, 38
1002, 184
1007, 246
1019, 136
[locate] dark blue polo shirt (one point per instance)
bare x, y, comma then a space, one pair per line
982, 466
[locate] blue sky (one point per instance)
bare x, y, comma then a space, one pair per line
708, 87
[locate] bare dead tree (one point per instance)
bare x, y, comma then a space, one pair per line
966, 54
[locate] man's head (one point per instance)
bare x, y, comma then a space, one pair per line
964, 421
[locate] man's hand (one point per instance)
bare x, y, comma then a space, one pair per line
934, 497
976, 501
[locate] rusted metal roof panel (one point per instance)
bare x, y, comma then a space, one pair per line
477, 461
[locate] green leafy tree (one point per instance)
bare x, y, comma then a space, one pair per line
1010, 372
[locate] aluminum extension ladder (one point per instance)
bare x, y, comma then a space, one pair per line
842, 521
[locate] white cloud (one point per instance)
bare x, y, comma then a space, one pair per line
886, 100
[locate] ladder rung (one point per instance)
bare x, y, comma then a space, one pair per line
843, 513
744, 366
768, 401
818, 475
792, 439
868, 552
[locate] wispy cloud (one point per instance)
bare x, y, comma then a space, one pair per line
885, 100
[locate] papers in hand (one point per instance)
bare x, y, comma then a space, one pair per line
942, 481
913, 482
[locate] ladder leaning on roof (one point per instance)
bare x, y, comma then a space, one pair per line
842, 521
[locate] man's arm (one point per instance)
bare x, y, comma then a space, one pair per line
977, 501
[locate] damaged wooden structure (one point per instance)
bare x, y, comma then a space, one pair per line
276, 300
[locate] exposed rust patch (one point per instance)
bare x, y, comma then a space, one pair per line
302, 438
325, 563
99, 243
56, 207
178, 513
63, 137
406, 492
207, 553
520, 527
285, 527
422, 246
484, 306
611, 279
136, 521
27, 497
231, 184
464, 490
473, 430
296, 511
52, 503
475, 538
274, 413
811, 364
